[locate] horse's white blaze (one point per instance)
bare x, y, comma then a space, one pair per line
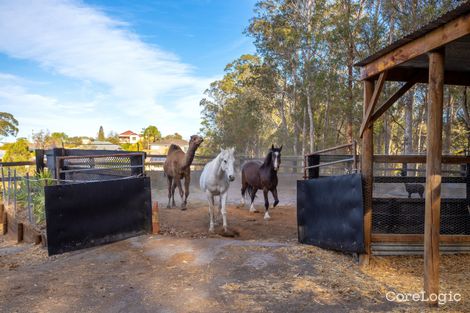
215, 181
276, 157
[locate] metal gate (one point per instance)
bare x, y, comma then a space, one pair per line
82, 215
330, 210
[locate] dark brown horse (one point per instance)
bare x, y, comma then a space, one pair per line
262, 175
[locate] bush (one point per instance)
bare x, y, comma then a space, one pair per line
36, 191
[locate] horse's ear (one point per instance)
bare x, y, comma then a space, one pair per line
232, 149
272, 147
280, 148
221, 149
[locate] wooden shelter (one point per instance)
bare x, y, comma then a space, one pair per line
437, 53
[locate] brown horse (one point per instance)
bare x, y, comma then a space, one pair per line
262, 175
177, 166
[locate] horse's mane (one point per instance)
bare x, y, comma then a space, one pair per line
267, 159
174, 147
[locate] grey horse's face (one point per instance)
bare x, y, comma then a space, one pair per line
228, 163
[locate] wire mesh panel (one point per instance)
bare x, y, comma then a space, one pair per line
399, 204
99, 167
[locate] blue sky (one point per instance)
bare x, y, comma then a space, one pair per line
72, 66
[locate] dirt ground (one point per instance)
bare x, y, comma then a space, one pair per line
185, 269
194, 223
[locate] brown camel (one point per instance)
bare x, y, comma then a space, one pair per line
177, 166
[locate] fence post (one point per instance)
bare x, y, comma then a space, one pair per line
467, 182
354, 148
313, 159
137, 160
9, 186
39, 160
3, 184
28, 190
14, 191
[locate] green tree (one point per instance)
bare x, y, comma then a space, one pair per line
113, 138
101, 136
42, 139
17, 151
151, 134
8, 125
73, 142
174, 136
58, 140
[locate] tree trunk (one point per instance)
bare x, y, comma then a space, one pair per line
350, 61
304, 130
386, 132
310, 119
447, 123
408, 138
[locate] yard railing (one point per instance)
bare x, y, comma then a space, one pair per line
318, 159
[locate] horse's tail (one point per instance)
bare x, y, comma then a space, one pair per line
250, 191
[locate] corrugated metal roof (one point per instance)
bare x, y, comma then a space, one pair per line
462, 9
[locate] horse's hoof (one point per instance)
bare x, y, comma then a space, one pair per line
266, 216
211, 230
168, 206
183, 208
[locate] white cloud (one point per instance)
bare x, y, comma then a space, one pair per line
81, 42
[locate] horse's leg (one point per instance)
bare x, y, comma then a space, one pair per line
244, 186
276, 199
253, 195
210, 198
170, 185
217, 213
266, 204
223, 209
187, 181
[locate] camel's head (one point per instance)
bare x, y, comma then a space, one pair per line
195, 140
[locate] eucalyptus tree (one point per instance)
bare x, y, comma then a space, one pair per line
234, 112
8, 125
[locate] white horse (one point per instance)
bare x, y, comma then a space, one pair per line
215, 180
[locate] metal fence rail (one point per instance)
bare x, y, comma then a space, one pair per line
318, 159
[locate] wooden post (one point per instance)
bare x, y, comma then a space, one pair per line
39, 160
19, 235
433, 174
155, 219
4, 222
367, 174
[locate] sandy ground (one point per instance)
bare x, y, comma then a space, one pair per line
186, 269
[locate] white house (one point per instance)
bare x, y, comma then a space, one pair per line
129, 137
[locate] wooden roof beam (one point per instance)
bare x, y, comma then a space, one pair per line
390, 101
421, 75
434, 39
373, 101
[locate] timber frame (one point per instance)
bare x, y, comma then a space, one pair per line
437, 54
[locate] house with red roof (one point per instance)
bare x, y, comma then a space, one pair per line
129, 137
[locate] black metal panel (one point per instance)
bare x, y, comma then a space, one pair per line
313, 160
406, 216
418, 179
330, 212
88, 214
